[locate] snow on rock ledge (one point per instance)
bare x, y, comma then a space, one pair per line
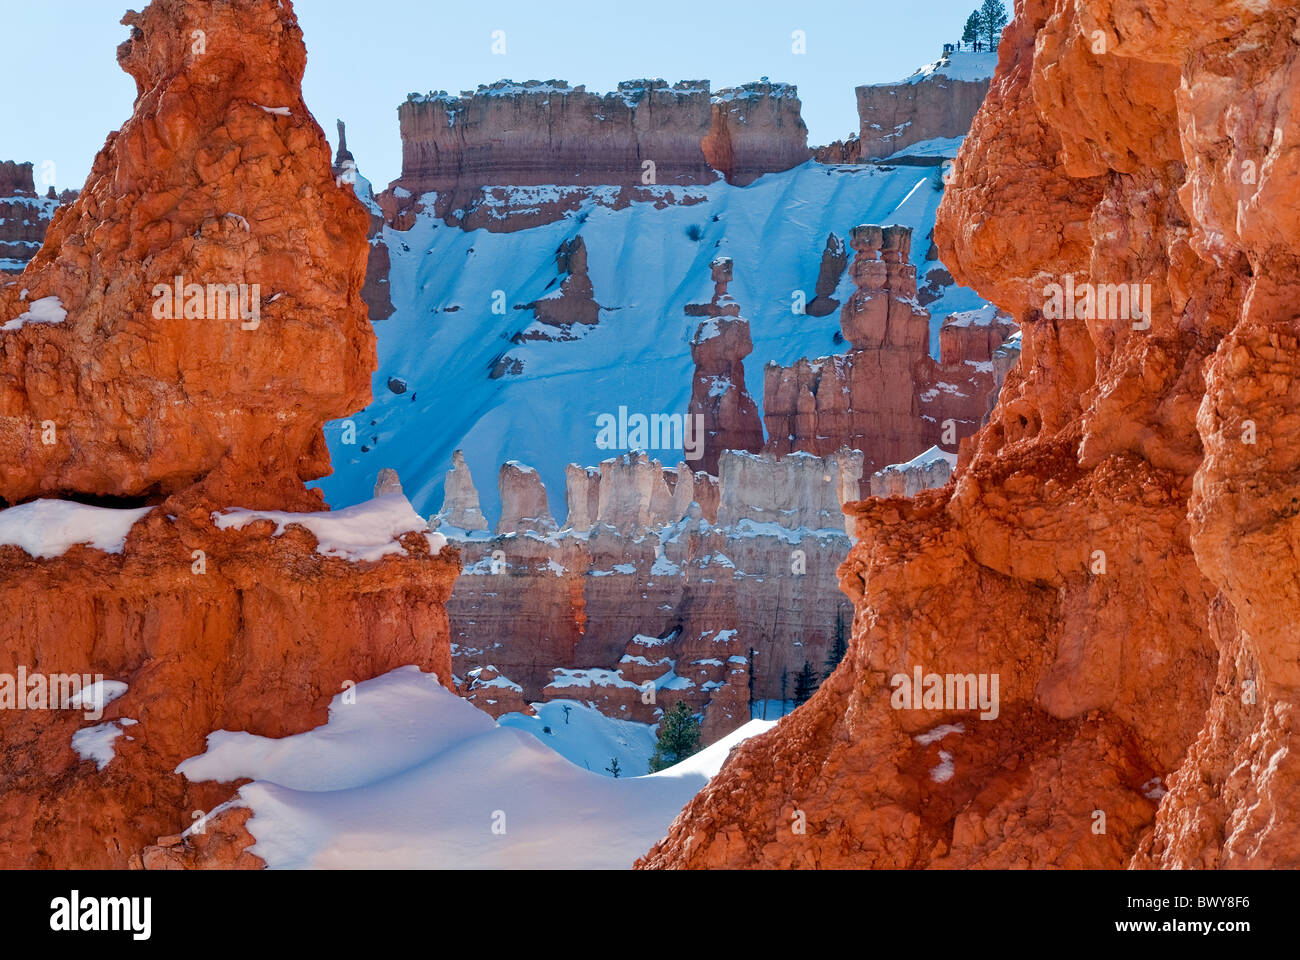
361, 533
47, 528
44, 310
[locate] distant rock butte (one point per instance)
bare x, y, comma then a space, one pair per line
645, 142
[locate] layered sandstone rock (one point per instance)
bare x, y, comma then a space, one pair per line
794, 491
756, 128
24, 217
552, 133
571, 303
568, 615
926, 471
887, 396
211, 616
508, 155
460, 506
719, 399
938, 101
1120, 548
524, 508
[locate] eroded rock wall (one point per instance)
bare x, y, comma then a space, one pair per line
1119, 548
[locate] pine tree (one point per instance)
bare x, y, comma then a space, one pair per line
805, 684
993, 18
752, 653
974, 28
679, 737
839, 646
614, 769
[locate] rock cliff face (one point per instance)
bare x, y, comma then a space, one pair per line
1119, 549
199, 614
887, 397
757, 128
24, 216
514, 155
549, 132
672, 579
938, 101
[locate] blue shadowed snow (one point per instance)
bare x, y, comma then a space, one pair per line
645, 267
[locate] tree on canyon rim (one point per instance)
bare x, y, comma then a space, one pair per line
993, 19
986, 24
679, 737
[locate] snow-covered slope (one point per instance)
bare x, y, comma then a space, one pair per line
588, 738
411, 776
645, 265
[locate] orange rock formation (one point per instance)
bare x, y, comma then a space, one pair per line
1120, 547
221, 176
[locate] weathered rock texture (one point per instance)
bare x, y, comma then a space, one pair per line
1120, 548
375, 291
523, 500
205, 181
460, 505
940, 100
757, 128
238, 629
887, 396
719, 399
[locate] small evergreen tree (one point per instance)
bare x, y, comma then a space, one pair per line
974, 29
839, 645
993, 18
805, 684
679, 737
752, 653
785, 674
614, 769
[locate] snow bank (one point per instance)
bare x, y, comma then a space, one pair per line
412, 776
47, 528
364, 532
587, 738
44, 310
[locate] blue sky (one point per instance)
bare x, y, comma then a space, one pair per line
364, 57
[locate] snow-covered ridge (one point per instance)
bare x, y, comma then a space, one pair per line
364, 532
647, 261
963, 65
412, 776
630, 92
